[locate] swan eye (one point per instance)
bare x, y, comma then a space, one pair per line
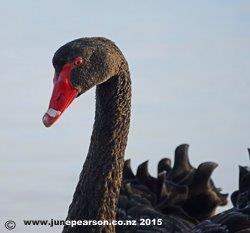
78, 61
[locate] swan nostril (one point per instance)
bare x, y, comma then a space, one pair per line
60, 98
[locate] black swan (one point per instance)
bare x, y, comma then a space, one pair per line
184, 198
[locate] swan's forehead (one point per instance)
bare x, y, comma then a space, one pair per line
69, 52
80, 47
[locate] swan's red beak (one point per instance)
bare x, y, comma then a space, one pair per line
62, 96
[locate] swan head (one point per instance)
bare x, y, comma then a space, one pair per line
80, 65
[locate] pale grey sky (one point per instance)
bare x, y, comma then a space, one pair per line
189, 62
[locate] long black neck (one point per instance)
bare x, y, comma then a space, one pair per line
97, 192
